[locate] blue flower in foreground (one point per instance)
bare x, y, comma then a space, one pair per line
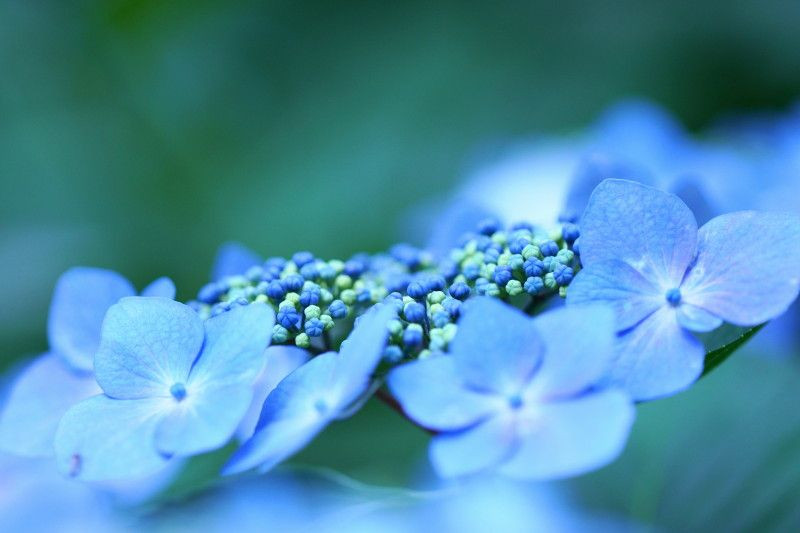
174, 386
315, 395
643, 254
516, 395
61, 378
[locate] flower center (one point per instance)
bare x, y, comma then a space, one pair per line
178, 391
674, 296
515, 401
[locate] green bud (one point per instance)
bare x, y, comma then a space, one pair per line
424, 354
292, 297
565, 256
436, 297
492, 289
343, 281
514, 287
395, 327
531, 251
238, 281
348, 296
471, 247
261, 299
308, 285
435, 308
438, 343
500, 238
359, 285
407, 300
327, 321
457, 256
562, 291
550, 281
378, 293
336, 265
290, 268
488, 270
302, 340
436, 333
312, 311
450, 331
286, 303
326, 296
415, 327
516, 262
503, 258
279, 334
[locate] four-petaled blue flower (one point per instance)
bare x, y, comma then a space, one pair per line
174, 386
643, 254
61, 378
315, 394
516, 395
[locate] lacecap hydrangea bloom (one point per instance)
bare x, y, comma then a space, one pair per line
518, 395
643, 255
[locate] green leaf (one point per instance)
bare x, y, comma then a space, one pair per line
721, 343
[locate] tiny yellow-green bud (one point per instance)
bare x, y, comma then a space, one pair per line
348, 296
343, 281
292, 297
514, 287
302, 340
436, 297
312, 311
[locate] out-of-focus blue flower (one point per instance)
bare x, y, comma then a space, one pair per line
315, 394
515, 395
233, 259
64, 376
174, 386
643, 254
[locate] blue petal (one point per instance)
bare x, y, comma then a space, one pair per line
433, 395
299, 408
234, 259
473, 450
80, 301
618, 285
573, 361
444, 229
569, 438
39, 398
656, 358
651, 230
360, 354
203, 421
748, 267
281, 361
148, 345
163, 287
697, 319
233, 353
103, 439
496, 348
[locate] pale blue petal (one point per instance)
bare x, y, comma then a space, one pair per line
80, 301
748, 267
434, 395
233, 259
697, 319
475, 449
234, 347
39, 398
360, 354
618, 285
656, 358
148, 345
203, 421
299, 408
651, 230
573, 361
569, 438
163, 287
104, 439
496, 347
282, 360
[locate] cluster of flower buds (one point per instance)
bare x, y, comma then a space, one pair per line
309, 295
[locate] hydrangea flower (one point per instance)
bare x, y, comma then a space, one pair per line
315, 395
64, 376
643, 254
516, 394
233, 259
173, 386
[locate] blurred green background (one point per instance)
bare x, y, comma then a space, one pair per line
139, 135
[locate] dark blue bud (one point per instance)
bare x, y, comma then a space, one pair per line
502, 275
302, 258
310, 296
548, 248
563, 274
483, 243
570, 232
549, 263
211, 292
293, 282
254, 273
289, 317
412, 337
452, 306
491, 255
363, 296
275, 263
393, 354
576, 246
309, 271
397, 282
314, 327
517, 245
534, 285
406, 254
448, 268
459, 290
326, 272
354, 268
533, 267
488, 226
440, 319
417, 290
471, 271
415, 312
522, 226
434, 283
275, 290
337, 309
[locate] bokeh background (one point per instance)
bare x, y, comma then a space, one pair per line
140, 135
